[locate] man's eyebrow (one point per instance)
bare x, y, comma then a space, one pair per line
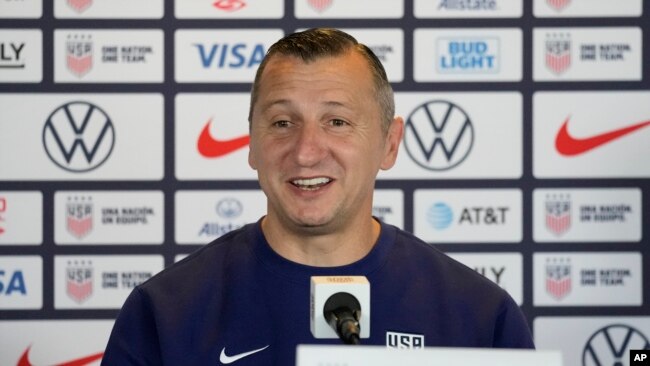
287, 102
281, 102
335, 104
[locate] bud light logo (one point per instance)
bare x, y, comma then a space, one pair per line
440, 216
459, 56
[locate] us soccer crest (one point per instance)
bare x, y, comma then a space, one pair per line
79, 54
558, 214
79, 280
80, 5
320, 5
558, 52
558, 4
558, 277
79, 216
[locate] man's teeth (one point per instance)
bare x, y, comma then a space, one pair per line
312, 183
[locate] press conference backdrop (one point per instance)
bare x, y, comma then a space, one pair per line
525, 154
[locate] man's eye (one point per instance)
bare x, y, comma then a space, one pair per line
338, 123
281, 124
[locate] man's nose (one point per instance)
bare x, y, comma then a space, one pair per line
310, 144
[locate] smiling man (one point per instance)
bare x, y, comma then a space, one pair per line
322, 126
318, 139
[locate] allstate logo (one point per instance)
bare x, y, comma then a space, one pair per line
440, 216
229, 208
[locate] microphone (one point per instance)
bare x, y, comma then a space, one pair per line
342, 312
340, 308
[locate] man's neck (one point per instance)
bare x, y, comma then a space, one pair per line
310, 246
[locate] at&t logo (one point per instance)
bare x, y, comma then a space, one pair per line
438, 135
78, 137
440, 216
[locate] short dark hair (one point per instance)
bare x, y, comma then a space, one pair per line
316, 43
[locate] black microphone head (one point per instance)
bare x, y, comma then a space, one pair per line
341, 299
342, 312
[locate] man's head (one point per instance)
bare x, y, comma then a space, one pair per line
317, 43
319, 135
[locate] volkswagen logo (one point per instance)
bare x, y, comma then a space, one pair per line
438, 135
78, 137
611, 345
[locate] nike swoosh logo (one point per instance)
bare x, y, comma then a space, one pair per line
214, 148
225, 359
229, 5
24, 359
569, 146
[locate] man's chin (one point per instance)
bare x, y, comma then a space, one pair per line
313, 227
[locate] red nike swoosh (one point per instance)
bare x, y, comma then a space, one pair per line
229, 5
24, 359
213, 148
570, 146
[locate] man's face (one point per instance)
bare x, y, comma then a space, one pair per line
317, 141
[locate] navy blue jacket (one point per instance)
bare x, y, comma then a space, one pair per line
237, 294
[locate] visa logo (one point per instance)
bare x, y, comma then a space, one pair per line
15, 284
230, 55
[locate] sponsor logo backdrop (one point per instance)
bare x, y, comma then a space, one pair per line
124, 140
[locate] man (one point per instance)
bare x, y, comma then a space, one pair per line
322, 125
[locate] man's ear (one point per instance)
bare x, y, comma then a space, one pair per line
251, 152
393, 139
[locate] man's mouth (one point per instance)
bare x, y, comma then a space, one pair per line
311, 184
